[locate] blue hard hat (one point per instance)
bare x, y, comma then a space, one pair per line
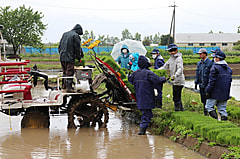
220, 54
171, 46
155, 51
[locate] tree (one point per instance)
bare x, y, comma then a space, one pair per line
107, 40
237, 43
238, 29
156, 39
114, 40
146, 42
126, 35
164, 39
137, 36
23, 26
101, 38
86, 35
92, 35
210, 32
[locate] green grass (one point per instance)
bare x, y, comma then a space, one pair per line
223, 132
44, 66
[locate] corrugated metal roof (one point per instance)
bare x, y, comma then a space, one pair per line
207, 37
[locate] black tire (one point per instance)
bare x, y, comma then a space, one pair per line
88, 112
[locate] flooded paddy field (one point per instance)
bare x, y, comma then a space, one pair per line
119, 140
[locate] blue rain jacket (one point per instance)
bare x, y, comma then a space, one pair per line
124, 60
144, 82
134, 66
159, 62
202, 72
220, 79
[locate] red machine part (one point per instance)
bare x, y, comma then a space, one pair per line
118, 77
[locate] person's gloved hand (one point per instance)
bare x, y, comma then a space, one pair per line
195, 86
130, 63
173, 77
165, 80
207, 95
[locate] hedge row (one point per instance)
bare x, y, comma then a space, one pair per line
223, 132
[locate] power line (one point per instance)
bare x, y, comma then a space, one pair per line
91, 9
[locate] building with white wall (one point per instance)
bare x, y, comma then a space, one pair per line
225, 41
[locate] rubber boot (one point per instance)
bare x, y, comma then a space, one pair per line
68, 83
158, 103
64, 82
205, 110
178, 106
224, 118
213, 114
142, 131
46, 84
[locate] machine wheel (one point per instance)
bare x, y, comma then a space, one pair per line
86, 112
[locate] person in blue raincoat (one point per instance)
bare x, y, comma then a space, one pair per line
218, 88
123, 59
144, 82
158, 62
158, 59
134, 61
202, 75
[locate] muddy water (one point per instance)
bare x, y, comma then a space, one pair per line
234, 91
117, 141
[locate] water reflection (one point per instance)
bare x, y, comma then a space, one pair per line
234, 92
119, 140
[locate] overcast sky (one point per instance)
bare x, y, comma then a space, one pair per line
148, 17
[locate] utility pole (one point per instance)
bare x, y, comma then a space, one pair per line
172, 24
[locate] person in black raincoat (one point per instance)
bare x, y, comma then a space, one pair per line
69, 50
144, 82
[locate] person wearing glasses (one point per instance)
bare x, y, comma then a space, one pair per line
175, 66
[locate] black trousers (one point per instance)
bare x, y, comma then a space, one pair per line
177, 93
68, 71
203, 95
67, 68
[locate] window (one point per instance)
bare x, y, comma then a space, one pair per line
224, 44
201, 44
213, 44
190, 44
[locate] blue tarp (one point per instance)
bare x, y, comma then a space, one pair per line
52, 51
194, 49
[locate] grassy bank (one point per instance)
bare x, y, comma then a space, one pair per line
193, 123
